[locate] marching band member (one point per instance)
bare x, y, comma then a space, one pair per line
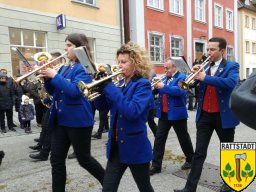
71, 116
128, 144
172, 112
213, 113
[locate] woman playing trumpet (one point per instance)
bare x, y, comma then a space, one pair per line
71, 116
128, 144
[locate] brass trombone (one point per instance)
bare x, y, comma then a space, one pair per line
19, 79
189, 81
88, 89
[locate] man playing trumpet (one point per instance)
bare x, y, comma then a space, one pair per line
213, 113
172, 112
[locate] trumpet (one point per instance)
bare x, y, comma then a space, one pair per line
88, 89
19, 79
189, 81
158, 80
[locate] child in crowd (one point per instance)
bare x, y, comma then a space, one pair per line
26, 113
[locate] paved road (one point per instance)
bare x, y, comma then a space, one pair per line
19, 173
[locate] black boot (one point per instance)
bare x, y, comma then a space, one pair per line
1, 156
38, 157
72, 156
36, 147
12, 129
4, 130
96, 136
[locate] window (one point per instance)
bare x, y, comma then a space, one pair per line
247, 47
254, 48
218, 19
176, 7
246, 21
247, 72
91, 2
29, 42
158, 4
230, 55
200, 10
156, 47
229, 20
253, 23
176, 46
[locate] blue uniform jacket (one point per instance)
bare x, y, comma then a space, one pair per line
131, 105
176, 98
69, 106
225, 79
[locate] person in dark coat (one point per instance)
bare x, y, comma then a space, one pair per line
26, 113
6, 103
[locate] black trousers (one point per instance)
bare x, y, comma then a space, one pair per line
104, 123
115, 170
45, 136
151, 121
207, 123
80, 138
40, 110
181, 130
27, 124
9, 115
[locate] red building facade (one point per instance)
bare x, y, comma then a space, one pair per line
182, 28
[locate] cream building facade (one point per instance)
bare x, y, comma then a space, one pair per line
31, 27
247, 37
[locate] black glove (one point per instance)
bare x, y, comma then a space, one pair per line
100, 75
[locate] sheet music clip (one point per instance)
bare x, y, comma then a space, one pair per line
21, 56
82, 55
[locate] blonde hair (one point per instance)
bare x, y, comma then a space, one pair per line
139, 58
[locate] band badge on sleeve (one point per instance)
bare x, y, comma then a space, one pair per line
237, 164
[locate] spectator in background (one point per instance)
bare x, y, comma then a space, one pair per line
6, 103
19, 91
10, 85
26, 113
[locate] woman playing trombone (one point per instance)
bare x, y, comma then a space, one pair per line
128, 144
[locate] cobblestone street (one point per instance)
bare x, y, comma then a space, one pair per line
18, 173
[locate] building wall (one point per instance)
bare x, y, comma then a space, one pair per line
107, 9
106, 34
166, 23
191, 30
222, 32
247, 60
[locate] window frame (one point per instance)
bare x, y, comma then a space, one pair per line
253, 23
197, 8
230, 55
254, 47
229, 28
172, 5
161, 4
216, 16
162, 48
247, 46
94, 4
247, 21
181, 43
